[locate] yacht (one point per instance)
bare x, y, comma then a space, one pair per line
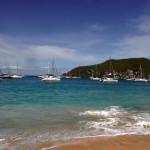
110, 78
140, 78
95, 78
95, 75
16, 76
53, 76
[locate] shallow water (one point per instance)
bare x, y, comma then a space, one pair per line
32, 110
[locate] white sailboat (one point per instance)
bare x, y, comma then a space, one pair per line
8, 73
140, 78
16, 75
53, 76
95, 77
110, 78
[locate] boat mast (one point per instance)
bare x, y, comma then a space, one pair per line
8, 68
140, 71
53, 67
110, 67
48, 67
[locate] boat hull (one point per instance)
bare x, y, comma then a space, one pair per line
140, 80
51, 78
110, 80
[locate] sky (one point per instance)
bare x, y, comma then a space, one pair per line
74, 32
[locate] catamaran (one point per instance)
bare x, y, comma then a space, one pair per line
53, 76
110, 78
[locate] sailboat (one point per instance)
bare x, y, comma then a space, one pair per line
95, 77
16, 75
8, 74
110, 78
53, 76
140, 78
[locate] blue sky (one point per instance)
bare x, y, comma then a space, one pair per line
75, 32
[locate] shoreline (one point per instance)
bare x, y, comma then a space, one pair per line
119, 142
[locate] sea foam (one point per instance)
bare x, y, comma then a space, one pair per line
116, 120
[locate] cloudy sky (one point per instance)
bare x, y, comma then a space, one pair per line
75, 32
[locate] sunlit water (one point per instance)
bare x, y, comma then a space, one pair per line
35, 110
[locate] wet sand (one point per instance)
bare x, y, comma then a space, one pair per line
110, 143
125, 142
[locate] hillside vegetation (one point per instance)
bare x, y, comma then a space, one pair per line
119, 66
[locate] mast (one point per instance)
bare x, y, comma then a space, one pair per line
8, 68
53, 67
110, 67
0, 71
48, 67
140, 71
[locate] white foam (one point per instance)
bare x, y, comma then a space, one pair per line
108, 112
2, 140
94, 113
143, 124
116, 120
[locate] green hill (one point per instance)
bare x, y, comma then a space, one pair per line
119, 66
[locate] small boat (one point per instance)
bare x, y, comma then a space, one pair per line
66, 77
16, 76
6, 76
95, 78
140, 78
110, 80
130, 79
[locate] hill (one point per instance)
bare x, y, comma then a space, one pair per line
120, 66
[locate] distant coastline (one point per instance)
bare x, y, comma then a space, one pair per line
123, 68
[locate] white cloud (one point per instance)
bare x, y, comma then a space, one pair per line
133, 46
143, 23
137, 43
96, 27
38, 55
46, 52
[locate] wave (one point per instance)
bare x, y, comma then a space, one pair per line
116, 120
110, 121
108, 112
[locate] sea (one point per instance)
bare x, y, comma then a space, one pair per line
33, 111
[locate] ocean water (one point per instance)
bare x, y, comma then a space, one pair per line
33, 111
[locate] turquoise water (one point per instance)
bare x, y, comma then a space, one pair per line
35, 110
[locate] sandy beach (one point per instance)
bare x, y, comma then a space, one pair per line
125, 142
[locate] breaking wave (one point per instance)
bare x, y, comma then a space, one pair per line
116, 120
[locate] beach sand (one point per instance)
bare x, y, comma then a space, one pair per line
125, 142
